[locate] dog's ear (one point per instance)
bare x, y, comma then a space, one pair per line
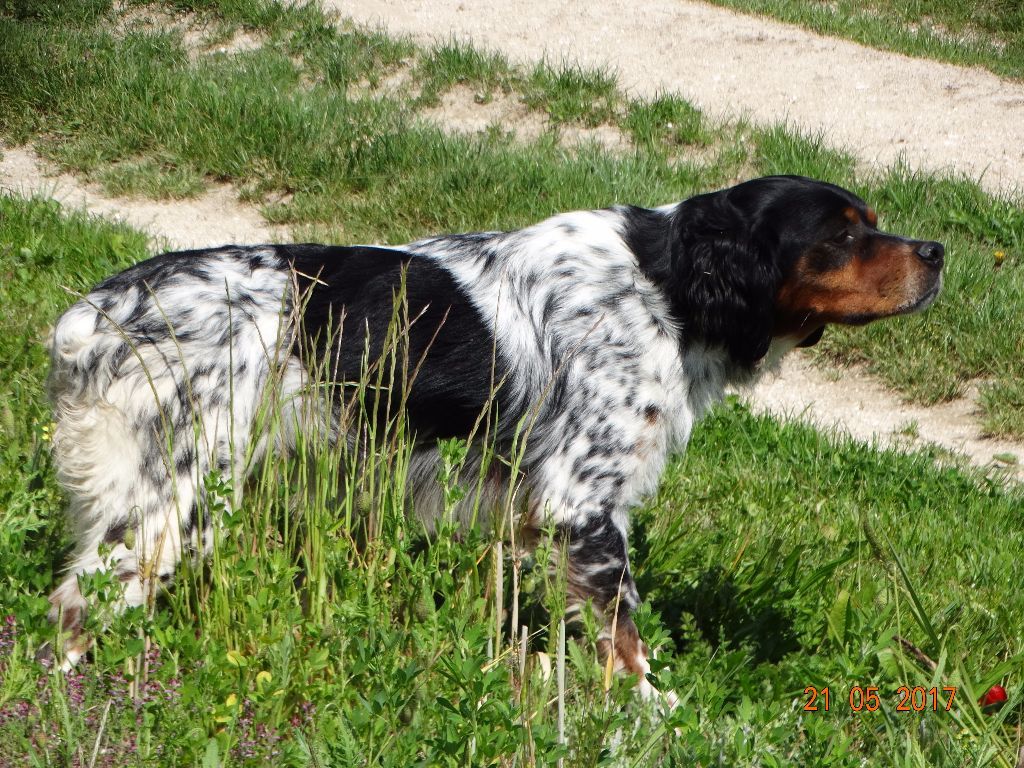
725, 275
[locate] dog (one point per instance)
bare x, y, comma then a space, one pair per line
610, 331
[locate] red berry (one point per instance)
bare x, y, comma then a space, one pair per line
993, 699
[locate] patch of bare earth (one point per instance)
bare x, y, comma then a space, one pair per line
214, 217
853, 403
461, 109
464, 110
400, 82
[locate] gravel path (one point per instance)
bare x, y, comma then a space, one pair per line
882, 105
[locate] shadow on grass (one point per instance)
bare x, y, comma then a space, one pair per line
727, 614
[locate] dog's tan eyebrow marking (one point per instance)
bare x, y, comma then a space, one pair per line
850, 214
871, 216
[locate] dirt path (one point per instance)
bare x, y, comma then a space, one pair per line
213, 218
854, 403
742, 65
883, 106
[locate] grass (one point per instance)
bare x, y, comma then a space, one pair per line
454, 63
773, 557
666, 121
989, 33
571, 94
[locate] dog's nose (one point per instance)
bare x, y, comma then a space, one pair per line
932, 253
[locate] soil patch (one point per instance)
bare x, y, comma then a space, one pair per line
214, 217
854, 403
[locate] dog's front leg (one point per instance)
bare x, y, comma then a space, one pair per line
589, 487
599, 573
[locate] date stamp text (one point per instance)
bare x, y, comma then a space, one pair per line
869, 699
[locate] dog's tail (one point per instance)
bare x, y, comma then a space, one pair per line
80, 356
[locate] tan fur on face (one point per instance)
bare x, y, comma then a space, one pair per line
884, 277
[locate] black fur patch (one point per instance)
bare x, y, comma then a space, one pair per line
351, 297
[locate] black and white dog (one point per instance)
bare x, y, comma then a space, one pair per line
616, 328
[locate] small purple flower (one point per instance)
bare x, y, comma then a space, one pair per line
8, 632
257, 741
75, 682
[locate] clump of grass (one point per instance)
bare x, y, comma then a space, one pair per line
150, 178
250, 13
572, 94
344, 60
782, 150
83, 13
666, 121
458, 63
910, 429
1002, 403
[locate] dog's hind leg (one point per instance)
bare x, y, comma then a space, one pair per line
138, 426
161, 377
128, 513
133, 473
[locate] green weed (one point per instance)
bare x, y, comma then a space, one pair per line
572, 94
458, 63
667, 121
150, 178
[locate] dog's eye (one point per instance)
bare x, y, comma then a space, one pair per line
843, 238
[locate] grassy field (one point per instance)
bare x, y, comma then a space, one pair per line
774, 558
985, 33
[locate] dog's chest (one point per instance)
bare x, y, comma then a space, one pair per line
587, 337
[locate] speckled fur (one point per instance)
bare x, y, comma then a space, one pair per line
159, 374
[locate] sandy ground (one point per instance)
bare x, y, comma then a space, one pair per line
853, 403
935, 115
214, 218
882, 106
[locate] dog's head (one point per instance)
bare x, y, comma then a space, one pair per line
783, 256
